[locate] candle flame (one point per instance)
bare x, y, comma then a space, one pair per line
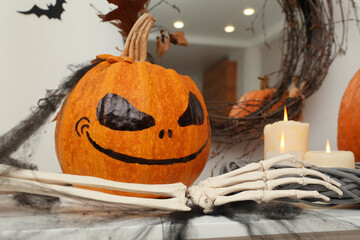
282, 142
328, 146
285, 115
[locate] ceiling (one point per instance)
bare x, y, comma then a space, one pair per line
204, 29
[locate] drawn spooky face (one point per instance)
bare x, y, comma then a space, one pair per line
134, 122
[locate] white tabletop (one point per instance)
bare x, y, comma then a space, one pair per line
72, 223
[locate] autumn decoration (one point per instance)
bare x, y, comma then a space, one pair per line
254, 100
349, 118
125, 15
132, 121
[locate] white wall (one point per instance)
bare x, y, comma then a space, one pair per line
256, 61
321, 109
248, 68
251, 70
271, 59
35, 53
197, 78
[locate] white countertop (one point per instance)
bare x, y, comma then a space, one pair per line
24, 223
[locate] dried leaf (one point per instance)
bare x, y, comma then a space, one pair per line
158, 46
178, 38
126, 14
162, 44
166, 45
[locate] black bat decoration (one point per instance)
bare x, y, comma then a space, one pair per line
53, 11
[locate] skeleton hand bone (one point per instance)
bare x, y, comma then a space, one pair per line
252, 182
256, 182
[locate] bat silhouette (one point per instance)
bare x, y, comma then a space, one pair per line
53, 11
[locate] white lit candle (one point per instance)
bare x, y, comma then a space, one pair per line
342, 159
286, 137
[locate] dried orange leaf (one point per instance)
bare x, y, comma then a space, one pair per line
178, 38
166, 45
158, 46
126, 14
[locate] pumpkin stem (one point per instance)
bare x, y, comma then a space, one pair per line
136, 43
264, 82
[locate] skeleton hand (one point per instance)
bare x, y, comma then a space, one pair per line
256, 182
252, 182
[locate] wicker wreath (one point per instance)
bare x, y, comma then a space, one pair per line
309, 47
349, 179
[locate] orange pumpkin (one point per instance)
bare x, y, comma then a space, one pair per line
132, 121
254, 100
349, 118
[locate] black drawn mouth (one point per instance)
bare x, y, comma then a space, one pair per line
130, 159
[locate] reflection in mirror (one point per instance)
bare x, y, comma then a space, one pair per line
223, 65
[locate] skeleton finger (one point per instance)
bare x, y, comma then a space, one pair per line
268, 195
271, 184
225, 182
273, 174
262, 165
265, 176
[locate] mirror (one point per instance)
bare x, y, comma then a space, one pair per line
302, 46
204, 23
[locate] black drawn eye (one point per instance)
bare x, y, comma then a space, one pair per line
115, 112
194, 113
